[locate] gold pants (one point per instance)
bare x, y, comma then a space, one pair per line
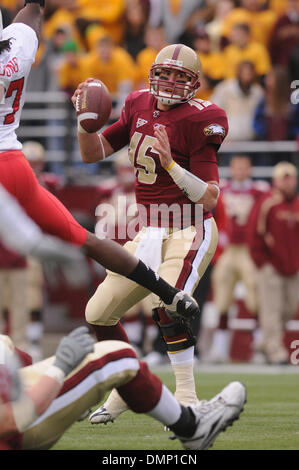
82, 389
181, 266
235, 264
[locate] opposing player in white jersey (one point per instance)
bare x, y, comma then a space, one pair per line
18, 50
18, 46
19, 233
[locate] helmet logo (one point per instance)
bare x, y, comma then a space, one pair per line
178, 63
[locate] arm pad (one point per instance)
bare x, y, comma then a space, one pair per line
192, 186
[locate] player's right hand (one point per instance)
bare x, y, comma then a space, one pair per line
73, 348
78, 90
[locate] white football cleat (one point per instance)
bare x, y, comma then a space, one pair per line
101, 416
110, 410
215, 416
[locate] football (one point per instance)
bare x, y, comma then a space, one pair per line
93, 106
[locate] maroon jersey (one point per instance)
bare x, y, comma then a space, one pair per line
239, 198
195, 129
274, 233
10, 259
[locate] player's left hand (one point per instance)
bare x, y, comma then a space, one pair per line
162, 146
73, 348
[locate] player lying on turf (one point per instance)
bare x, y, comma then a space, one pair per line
173, 141
38, 403
18, 46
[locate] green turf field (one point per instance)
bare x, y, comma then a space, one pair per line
270, 419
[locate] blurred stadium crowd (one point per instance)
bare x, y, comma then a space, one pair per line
254, 42
249, 51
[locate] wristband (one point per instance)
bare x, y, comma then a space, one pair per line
170, 166
56, 373
39, 2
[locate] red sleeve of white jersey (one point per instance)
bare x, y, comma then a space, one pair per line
118, 134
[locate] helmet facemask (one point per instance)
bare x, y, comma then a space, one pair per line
170, 92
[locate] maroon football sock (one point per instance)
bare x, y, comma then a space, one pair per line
114, 332
223, 321
143, 392
165, 320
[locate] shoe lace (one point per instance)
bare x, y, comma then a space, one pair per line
208, 406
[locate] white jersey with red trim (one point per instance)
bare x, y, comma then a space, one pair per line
15, 66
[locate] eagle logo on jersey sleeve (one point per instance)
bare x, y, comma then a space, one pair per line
214, 129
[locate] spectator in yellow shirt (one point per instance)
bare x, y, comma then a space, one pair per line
243, 49
279, 6
63, 17
115, 67
71, 71
261, 21
108, 14
155, 40
214, 27
211, 61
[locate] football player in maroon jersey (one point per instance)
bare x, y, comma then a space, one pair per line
39, 402
173, 141
235, 264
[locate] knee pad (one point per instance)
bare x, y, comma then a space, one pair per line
177, 336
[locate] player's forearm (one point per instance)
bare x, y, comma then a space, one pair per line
17, 416
93, 147
34, 402
43, 393
90, 147
197, 190
31, 15
210, 197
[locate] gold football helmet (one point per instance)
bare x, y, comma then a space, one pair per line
180, 58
